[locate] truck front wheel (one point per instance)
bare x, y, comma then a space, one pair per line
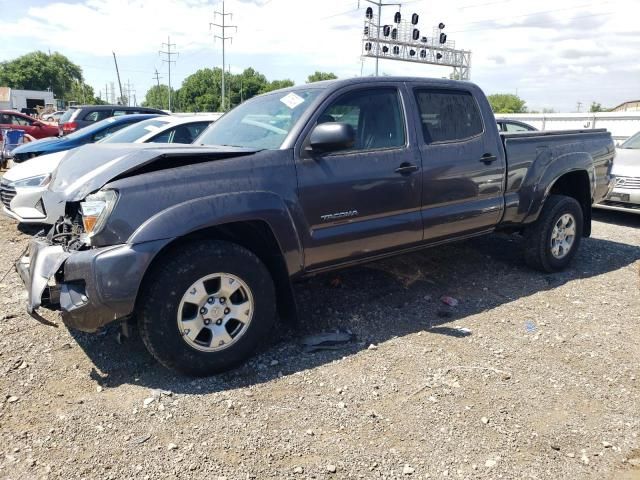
553, 240
206, 307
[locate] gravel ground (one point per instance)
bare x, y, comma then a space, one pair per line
530, 376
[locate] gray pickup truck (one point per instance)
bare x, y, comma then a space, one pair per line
200, 244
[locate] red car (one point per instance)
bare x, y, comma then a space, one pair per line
12, 120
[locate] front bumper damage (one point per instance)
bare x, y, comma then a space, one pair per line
90, 288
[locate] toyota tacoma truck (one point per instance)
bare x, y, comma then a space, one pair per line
201, 244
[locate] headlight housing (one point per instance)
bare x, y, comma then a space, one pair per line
95, 209
36, 181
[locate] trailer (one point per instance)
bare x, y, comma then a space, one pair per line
26, 101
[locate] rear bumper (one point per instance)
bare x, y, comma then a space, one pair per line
90, 288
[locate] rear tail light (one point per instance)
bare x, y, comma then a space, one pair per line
69, 127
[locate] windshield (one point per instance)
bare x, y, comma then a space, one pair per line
67, 115
136, 131
91, 129
632, 143
262, 122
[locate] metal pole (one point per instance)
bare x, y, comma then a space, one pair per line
118, 73
378, 42
224, 38
169, 50
223, 71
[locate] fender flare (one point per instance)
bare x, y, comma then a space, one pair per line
562, 165
216, 210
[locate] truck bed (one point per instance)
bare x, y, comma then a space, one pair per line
530, 155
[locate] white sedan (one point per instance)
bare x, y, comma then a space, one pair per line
625, 196
23, 189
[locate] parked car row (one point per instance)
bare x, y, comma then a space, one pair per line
199, 244
23, 189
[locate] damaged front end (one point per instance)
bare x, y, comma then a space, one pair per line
90, 286
41, 267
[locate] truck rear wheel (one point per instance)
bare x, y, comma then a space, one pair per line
206, 307
553, 240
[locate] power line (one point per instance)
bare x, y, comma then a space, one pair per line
224, 39
169, 61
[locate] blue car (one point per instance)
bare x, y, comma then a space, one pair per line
90, 134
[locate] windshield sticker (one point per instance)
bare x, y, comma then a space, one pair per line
292, 100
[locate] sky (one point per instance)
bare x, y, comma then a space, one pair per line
552, 54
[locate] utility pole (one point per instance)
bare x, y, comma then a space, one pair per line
117, 73
379, 4
169, 61
579, 106
129, 90
106, 92
157, 77
224, 38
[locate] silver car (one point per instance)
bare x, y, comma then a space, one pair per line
625, 195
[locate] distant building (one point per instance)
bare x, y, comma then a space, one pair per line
631, 106
25, 101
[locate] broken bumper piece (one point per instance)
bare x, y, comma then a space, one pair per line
90, 288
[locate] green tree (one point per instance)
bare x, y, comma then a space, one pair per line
158, 97
41, 71
83, 94
319, 76
507, 103
276, 85
200, 91
597, 107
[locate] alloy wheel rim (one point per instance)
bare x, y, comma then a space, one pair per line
563, 236
215, 312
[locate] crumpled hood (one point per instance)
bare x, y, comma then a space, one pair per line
626, 163
38, 145
86, 169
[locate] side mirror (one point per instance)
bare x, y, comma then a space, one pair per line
332, 136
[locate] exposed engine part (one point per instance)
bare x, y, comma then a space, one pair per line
68, 230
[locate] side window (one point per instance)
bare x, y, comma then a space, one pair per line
108, 131
196, 129
513, 127
164, 137
16, 120
375, 115
5, 119
119, 113
97, 115
448, 115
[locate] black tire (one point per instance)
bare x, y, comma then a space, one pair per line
168, 281
537, 237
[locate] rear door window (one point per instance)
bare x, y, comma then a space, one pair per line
97, 115
448, 115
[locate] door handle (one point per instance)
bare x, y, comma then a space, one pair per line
487, 158
406, 168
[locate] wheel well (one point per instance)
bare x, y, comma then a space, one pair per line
256, 236
576, 185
